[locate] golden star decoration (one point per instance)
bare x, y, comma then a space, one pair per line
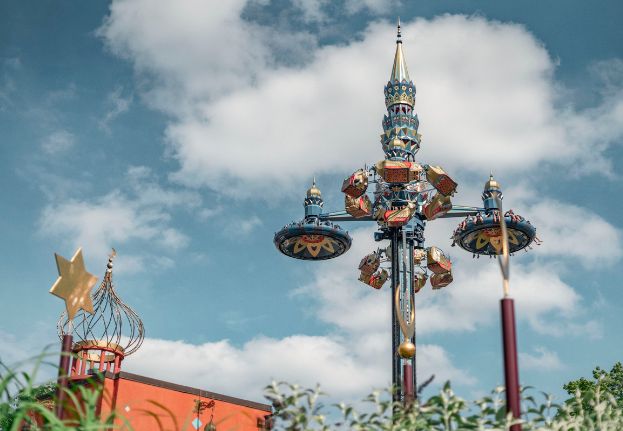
74, 284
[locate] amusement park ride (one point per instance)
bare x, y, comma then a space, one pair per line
405, 195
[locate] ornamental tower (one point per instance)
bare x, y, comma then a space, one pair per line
313, 201
400, 138
491, 190
405, 195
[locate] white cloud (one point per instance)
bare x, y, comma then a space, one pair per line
247, 225
566, 228
8, 87
118, 105
324, 114
345, 368
312, 10
192, 51
543, 359
142, 212
543, 299
377, 7
35, 352
58, 142
11, 350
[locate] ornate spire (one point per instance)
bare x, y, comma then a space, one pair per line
400, 138
399, 70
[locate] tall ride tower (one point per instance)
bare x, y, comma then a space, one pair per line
405, 195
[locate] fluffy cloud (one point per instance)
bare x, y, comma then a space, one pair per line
312, 10
345, 368
344, 361
546, 302
543, 360
237, 113
567, 227
142, 212
33, 352
191, 52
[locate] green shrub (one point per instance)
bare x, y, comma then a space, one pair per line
302, 410
299, 409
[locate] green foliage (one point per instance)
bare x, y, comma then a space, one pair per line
609, 382
300, 409
596, 405
24, 404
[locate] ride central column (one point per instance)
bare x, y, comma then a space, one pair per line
395, 235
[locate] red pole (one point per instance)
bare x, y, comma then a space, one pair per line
511, 367
63, 373
407, 383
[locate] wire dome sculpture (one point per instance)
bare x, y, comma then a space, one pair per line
113, 324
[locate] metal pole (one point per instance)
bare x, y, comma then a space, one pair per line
407, 279
396, 369
411, 272
408, 389
511, 369
63, 375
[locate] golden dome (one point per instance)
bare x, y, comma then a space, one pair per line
406, 349
491, 184
314, 191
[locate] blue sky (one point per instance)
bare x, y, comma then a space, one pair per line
185, 134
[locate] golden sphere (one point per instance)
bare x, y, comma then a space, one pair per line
406, 350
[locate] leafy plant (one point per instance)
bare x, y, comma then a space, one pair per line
300, 409
25, 405
593, 407
610, 382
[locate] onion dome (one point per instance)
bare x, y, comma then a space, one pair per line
113, 327
314, 191
492, 184
491, 191
400, 139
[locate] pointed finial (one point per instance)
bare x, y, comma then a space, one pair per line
492, 183
111, 256
313, 190
399, 69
